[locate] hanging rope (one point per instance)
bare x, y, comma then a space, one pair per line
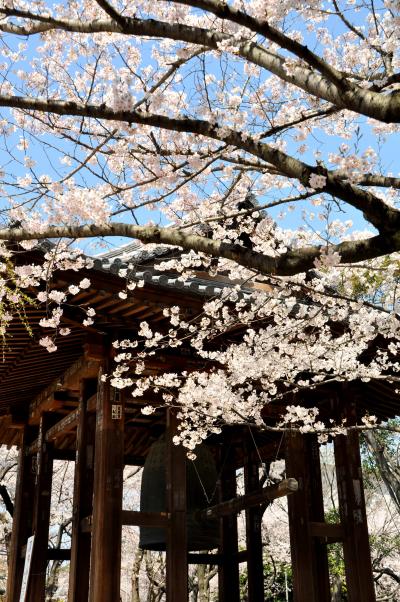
209, 498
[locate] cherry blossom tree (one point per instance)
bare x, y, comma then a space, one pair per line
254, 137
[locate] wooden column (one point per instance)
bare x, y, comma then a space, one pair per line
309, 554
41, 513
78, 590
356, 550
22, 517
105, 563
177, 552
255, 568
228, 571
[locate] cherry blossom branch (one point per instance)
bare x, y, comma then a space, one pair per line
243, 213
173, 68
225, 11
113, 13
357, 31
343, 429
93, 152
320, 114
333, 430
385, 218
383, 107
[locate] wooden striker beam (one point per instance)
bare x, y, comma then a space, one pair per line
249, 500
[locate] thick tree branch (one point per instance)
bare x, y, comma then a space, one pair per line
5, 496
224, 11
380, 181
388, 468
383, 107
386, 570
382, 216
287, 264
111, 12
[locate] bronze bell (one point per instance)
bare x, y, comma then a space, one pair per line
201, 480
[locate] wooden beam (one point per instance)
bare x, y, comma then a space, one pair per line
133, 460
316, 509
327, 532
134, 518
70, 379
146, 519
228, 571
33, 448
41, 514
249, 500
255, 565
356, 550
63, 554
242, 556
309, 554
58, 428
22, 518
86, 524
210, 559
45, 399
105, 564
66, 424
177, 549
94, 348
78, 590
68, 455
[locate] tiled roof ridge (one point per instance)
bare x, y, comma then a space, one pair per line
142, 264
150, 275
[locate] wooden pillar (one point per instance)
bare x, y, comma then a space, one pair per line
356, 550
309, 554
78, 590
22, 518
105, 563
255, 568
228, 573
177, 550
41, 513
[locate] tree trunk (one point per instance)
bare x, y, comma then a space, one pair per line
156, 582
135, 575
387, 466
336, 589
204, 586
52, 581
